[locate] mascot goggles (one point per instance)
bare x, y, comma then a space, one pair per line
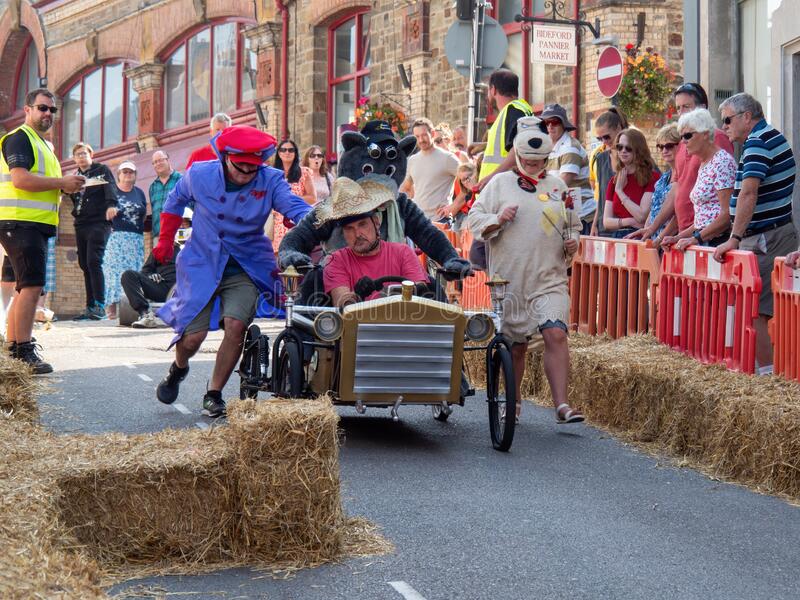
375, 151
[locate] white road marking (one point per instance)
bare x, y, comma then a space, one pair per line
406, 591
202, 425
144, 377
181, 408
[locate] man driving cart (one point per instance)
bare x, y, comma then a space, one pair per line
354, 273
228, 257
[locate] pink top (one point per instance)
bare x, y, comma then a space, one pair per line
717, 174
345, 267
685, 174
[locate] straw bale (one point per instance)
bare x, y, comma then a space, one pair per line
148, 498
18, 390
81, 512
287, 473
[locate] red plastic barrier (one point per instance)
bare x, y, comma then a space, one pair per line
784, 327
613, 286
707, 309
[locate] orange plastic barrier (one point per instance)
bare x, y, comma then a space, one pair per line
613, 286
784, 327
474, 293
706, 309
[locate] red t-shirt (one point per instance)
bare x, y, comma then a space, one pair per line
345, 267
685, 176
633, 190
201, 154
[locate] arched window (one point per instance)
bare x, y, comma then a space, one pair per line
27, 73
101, 109
349, 62
220, 67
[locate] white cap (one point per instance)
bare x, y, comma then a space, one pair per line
126, 165
187, 213
531, 141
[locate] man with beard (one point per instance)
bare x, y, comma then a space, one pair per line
30, 186
350, 272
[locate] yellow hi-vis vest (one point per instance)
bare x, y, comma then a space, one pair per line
495, 143
22, 205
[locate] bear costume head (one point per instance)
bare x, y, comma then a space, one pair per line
375, 151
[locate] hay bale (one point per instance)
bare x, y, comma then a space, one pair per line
18, 390
731, 425
287, 478
148, 498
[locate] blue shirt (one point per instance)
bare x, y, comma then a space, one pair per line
131, 210
767, 156
158, 195
659, 195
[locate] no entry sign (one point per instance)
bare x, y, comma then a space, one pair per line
609, 72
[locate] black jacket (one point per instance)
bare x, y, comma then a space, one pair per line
91, 203
166, 270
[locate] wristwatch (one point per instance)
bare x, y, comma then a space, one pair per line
696, 235
736, 237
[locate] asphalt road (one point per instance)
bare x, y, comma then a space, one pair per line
568, 513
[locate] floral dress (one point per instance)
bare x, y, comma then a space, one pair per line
717, 174
279, 228
125, 248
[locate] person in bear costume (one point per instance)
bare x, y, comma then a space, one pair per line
372, 153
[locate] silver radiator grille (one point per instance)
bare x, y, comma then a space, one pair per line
403, 359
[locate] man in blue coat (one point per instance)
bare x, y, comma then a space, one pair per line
228, 256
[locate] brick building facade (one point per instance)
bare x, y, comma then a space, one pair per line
304, 63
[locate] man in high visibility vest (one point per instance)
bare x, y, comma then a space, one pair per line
503, 98
30, 187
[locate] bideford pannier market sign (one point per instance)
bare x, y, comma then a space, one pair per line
554, 45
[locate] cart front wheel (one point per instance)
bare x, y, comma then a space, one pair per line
502, 399
439, 414
250, 366
289, 373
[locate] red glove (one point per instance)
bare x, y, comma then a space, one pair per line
166, 239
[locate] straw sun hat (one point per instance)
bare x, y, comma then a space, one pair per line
349, 198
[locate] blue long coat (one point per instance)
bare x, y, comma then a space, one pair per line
224, 224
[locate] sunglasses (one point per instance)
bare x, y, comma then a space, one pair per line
286, 150
317, 155
727, 120
621, 148
604, 138
688, 135
44, 108
667, 146
375, 151
552, 122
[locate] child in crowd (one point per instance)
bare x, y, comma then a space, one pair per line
531, 233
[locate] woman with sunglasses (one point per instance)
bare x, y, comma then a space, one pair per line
287, 159
713, 187
630, 191
322, 178
668, 140
601, 168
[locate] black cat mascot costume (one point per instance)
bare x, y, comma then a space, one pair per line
373, 153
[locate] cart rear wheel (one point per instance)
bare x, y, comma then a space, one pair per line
438, 413
502, 399
289, 373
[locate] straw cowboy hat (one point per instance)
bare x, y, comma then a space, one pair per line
349, 199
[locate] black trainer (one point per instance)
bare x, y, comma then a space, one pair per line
167, 390
28, 353
213, 404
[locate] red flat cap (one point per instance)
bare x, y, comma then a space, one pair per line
245, 144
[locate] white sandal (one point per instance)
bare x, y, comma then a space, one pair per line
570, 416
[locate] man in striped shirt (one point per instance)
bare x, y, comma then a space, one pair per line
761, 204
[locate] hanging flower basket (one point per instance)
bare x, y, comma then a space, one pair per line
370, 111
646, 85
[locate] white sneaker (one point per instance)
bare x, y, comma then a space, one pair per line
146, 321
